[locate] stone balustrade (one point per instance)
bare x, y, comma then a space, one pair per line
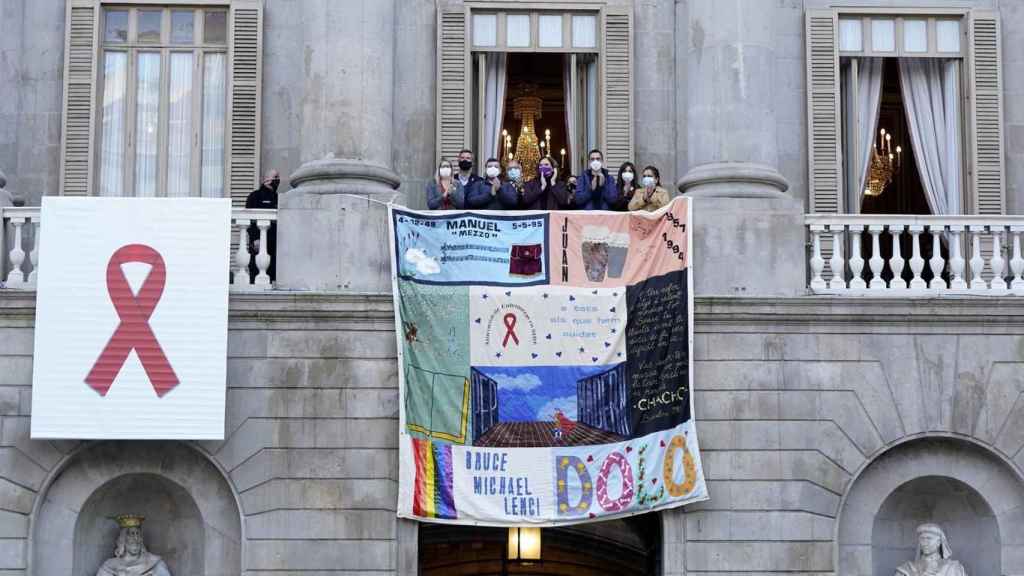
895, 255
20, 230
241, 219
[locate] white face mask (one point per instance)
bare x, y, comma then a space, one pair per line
493, 171
627, 176
445, 171
648, 181
595, 165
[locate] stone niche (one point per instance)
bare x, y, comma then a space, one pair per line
965, 517
173, 528
192, 516
977, 498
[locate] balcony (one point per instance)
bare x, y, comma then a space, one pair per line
21, 229
935, 255
883, 255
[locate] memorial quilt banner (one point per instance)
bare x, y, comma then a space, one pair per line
544, 364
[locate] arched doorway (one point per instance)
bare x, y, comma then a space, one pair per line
976, 497
626, 547
192, 517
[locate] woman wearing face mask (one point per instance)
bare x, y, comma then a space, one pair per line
652, 195
546, 188
445, 192
484, 194
595, 184
534, 194
622, 192
517, 194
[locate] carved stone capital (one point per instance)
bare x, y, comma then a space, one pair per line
734, 180
344, 176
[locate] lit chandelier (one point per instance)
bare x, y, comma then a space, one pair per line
883, 164
527, 108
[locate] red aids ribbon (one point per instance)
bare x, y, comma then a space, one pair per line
510, 329
134, 331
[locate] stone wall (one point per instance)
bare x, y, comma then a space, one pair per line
795, 399
30, 121
31, 72
311, 438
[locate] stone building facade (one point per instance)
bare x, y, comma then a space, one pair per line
831, 425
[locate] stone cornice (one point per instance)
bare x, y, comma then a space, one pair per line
820, 314
835, 314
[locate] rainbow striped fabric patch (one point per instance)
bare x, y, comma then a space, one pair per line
433, 493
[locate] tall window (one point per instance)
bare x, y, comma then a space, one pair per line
902, 113
930, 77
575, 58
536, 77
163, 89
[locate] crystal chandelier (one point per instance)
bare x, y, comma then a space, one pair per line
527, 108
883, 164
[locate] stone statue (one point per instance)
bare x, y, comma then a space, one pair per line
130, 555
6, 199
933, 555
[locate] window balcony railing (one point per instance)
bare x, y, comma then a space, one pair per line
20, 230
915, 255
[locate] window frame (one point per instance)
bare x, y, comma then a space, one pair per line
899, 19
851, 55
132, 48
501, 10
819, 176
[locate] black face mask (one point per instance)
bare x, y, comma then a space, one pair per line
275, 183
465, 165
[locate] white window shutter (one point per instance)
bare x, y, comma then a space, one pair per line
80, 56
823, 160
986, 107
618, 85
246, 72
453, 68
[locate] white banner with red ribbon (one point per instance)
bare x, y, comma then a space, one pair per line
131, 318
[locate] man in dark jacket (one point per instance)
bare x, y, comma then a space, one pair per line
265, 197
595, 184
466, 175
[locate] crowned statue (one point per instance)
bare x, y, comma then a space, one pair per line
934, 557
130, 555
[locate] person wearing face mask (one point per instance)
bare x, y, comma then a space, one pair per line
547, 192
595, 183
568, 195
485, 193
532, 195
513, 194
445, 192
651, 195
625, 186
264, 197
466, 176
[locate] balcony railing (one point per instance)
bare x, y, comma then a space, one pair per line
882, 255
20, 230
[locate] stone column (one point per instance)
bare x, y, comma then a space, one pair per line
332, 229
748, 232
415, 105
673, 542
654, 87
